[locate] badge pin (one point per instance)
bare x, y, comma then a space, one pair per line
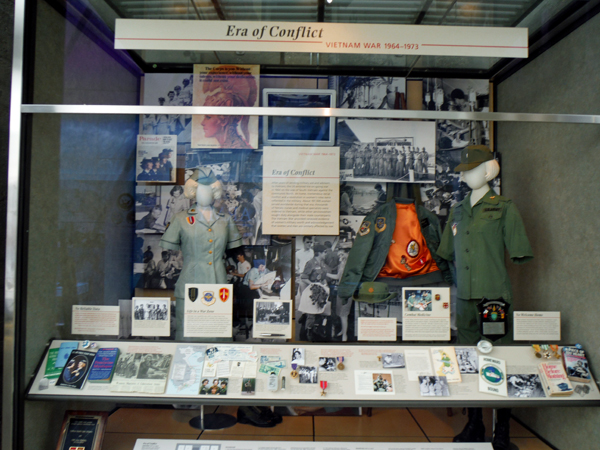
191, 220
323, 385
294, 372
340, 365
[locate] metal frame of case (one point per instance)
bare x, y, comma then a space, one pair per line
20, 112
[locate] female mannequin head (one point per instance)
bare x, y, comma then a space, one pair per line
203, 187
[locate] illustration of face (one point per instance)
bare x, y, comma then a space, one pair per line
212, 125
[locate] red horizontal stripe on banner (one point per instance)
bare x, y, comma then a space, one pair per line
457, 45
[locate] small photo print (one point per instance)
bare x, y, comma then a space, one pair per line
307, 375
418, 300
214, 386
146, 309
298, 356
156, 158
467, 360
327, 364
393, 360
524, 386
433, 386
382, 382
248, 386
272, 312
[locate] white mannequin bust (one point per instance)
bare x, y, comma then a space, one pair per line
204, 194
477, 179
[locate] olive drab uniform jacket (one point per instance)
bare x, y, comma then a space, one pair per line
475, 237
375, 252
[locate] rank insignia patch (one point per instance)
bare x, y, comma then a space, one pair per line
412, 249
191, 220
380, 224
365, 228
208, 298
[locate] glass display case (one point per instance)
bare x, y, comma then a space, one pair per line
103, 143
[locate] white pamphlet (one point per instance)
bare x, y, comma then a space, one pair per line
492, 376
418, 362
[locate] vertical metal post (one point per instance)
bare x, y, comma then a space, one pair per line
12, 210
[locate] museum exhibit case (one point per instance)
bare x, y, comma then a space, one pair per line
302, 204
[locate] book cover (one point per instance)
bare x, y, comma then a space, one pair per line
445, 364
554, 379
576, 364
76, 370
51, 370
492, 376
63, 353
104, 364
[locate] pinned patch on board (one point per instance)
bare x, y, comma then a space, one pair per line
191, 220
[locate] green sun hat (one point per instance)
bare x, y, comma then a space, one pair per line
472, 156
373, 292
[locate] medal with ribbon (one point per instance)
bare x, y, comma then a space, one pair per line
323, 385
294, 372
546, 351
537, 350
340, 365
554, 349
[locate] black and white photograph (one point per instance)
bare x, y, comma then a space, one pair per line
127, 365
154, 366
272, 312
417, 300
150, 309
393, 360
168, 89
151, 316
382, 382
387, 151
524, 386
359, 199
243, 201
356, 92
327, 364
155, 267
320, 262
449, 188
257, 272
297, 356
467, 359
464, 95
307, 375
431, 386
155, 207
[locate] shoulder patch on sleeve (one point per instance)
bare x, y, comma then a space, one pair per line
365, 228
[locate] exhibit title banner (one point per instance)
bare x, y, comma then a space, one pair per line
217, 35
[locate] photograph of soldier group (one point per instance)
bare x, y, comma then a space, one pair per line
390, 160
168, 90
150, 310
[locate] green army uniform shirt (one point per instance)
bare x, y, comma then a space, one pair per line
476, 238
203, 245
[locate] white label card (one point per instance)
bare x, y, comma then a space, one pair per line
537, 326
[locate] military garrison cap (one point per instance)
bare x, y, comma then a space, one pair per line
472, 156
204, 175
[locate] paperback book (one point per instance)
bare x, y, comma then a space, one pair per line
76, 370
103, 368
